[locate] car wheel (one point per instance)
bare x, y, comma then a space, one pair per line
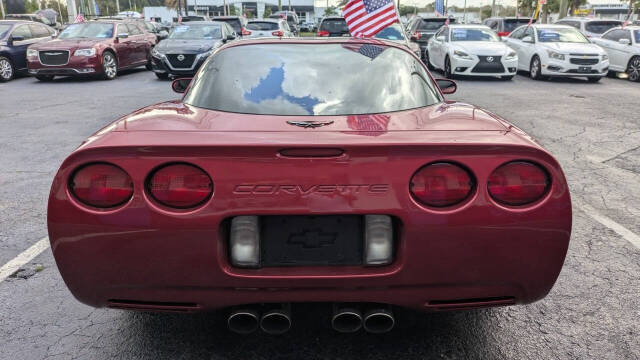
594, 79
109, 66
447, 69
45, 77
426, 61
507, 78
162, 76
633, 70
535, 68
6, 69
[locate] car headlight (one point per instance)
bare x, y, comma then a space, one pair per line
85, 52
32, 53
510, 56
461, 54
605, 57
555, 55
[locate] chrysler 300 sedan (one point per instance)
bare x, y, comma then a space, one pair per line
97, 48
333, 172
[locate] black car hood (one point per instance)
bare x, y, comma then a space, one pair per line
176, 46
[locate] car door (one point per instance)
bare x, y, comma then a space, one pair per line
619, 53
123, 45
608, 42
19, 47
525, 49
138, 44
514, 41
435, 49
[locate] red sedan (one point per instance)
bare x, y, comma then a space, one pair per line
334, 171
100, 48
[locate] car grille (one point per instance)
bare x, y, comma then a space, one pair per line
581, 61
485, 66
54, 57
185, 63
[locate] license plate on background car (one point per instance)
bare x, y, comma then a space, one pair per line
311, 240
584, 69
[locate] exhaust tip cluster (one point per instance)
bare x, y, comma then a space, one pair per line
345, 319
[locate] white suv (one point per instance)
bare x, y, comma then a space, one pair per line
591, 28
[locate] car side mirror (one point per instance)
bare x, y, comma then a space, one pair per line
624, 41
180, 85
527, 39
447, 86
163, 34
230, 37
17, 38
440, 38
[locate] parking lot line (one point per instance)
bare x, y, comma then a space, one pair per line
627, 234
23, 258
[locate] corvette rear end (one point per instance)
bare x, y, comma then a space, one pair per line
180, 207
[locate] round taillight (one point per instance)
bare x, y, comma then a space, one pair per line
101, 185
518, 183
441, 184
180, 186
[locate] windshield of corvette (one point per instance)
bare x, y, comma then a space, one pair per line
312, 79
565, 35
87, 30
196, 32
473, 34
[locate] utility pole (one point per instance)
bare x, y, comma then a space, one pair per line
564, 5
493, 8
464, 13
117, 7
280, 5
2, 8
71, 10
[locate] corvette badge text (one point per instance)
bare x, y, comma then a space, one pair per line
268, 189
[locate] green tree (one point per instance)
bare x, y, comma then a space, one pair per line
267, 12
330, 11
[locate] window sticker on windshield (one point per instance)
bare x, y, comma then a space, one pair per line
459, 34
181, 29
548, 35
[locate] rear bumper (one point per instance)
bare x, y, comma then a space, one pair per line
142, 252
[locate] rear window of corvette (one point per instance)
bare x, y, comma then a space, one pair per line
312, 79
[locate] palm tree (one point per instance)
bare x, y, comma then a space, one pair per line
172, 4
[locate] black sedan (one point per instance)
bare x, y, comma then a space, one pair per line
15, 38
188, 46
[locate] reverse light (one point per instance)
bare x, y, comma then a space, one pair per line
85, 52
245, 241
378, 242
322, 33
518, 183
180, 186
245, 32
441, 184
101, 185
278, 33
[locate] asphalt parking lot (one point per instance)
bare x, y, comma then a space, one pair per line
593, 312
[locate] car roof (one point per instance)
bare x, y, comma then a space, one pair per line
553, 26
583, 19
202, 22
16, 22
226, 17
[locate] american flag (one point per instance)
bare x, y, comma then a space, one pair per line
79, 18
371, 125
368, 50
365, 18
439, 7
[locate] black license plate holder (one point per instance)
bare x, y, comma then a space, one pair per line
301, 240
584, 69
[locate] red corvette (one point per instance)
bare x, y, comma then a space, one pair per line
99, 48
332, 171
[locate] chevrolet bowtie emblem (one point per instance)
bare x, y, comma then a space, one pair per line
309, 124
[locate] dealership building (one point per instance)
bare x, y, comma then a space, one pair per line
304, 8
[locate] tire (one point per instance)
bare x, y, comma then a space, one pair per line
633, 69
447, 69
426, 61
507, 78
162, 76
7, 71
535, 68
594, 79
45, 78
109, 66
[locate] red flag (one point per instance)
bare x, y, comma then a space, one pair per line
79, 18
365, 18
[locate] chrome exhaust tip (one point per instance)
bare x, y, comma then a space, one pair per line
379, 321
275, 322
346, 320
243, 321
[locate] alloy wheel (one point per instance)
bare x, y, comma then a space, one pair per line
634, 69
447, 69
109, 66
6, 69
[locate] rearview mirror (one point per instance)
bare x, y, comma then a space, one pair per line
624, 41
447, 86
527, 39
180, 85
